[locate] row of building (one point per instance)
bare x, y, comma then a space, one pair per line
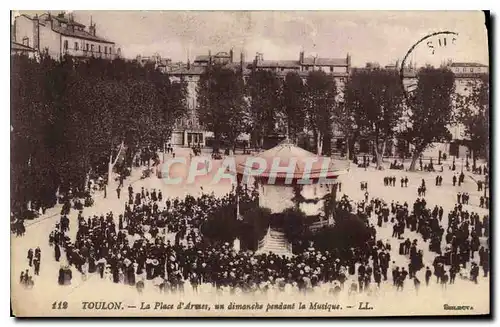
58, 35
189, 131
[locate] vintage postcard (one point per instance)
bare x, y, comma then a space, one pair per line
250, 164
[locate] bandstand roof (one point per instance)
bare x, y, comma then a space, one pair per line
284, 154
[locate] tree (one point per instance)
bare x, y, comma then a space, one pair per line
320, 103
349, 232
473, 113
70, 118
344, 120
292, 101
430, 110
222, 107
263, 89
375, 100
254, 226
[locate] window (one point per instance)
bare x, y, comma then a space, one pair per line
92, 47
99, 49
465, 70
282, 69
105, 50
76, 45
87, 47
331, 69
26, 41
472, 70
65, 44
307, 68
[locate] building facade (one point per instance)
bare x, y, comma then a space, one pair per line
159, 63
58, 35
467, 75
189, 131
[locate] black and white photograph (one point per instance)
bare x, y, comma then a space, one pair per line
249, 163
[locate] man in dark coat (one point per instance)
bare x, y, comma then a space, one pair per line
57, 252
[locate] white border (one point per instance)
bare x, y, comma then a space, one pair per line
190, 5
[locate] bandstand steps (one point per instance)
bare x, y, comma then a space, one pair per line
276, 243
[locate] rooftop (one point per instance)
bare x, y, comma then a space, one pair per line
21, 47
61, 18
278, 63
79, 34
289, 153
202, 58
309, 61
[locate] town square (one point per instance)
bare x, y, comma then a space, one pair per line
226, 184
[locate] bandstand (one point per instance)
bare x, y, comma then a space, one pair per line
288, 176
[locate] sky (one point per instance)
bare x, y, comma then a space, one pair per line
368, 36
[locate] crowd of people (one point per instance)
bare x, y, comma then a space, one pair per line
138, 249
160, 242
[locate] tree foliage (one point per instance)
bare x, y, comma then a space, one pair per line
430, 110
320, 101
222, 108
474, 113
293, 104
263, 89
375, 100
69, 117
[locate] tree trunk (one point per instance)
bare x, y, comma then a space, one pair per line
319, 143
378, 155
112, 163
347, 148
87, 179
333, 204
215, 146
416, 155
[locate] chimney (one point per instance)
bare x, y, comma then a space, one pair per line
92, 29
210, 57
49, 18
259, 57
301, 57
36, 33
231, 56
